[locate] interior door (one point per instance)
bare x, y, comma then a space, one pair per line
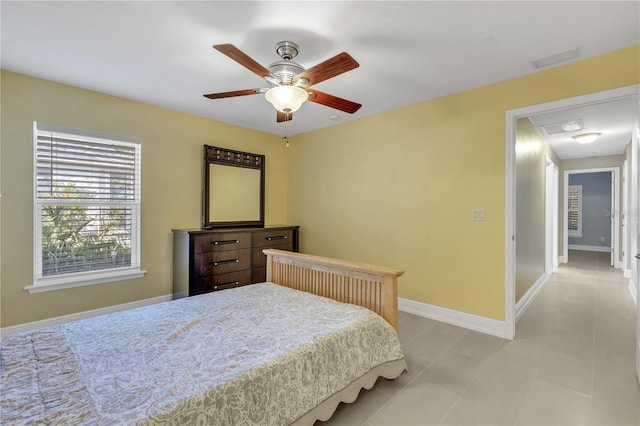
634, 222
612, 211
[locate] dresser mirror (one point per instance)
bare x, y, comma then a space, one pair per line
233, 188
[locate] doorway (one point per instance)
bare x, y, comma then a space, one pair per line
598, 220
510, 187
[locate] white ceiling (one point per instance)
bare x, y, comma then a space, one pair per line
161, 52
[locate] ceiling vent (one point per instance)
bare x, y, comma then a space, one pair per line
564, 127
555, 59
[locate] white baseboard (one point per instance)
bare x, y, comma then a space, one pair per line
527, 298
462, 319
589, 248
20, 328
561, 259
627, 273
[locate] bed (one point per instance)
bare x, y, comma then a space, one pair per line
286, 351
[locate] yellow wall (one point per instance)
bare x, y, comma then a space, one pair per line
398, 188
171, 184
395, 189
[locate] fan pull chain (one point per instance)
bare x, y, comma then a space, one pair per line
286, 138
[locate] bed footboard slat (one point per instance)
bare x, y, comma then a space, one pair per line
370, 286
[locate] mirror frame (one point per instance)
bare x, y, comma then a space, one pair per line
231, 158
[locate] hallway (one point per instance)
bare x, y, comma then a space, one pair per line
584, 320
571, 363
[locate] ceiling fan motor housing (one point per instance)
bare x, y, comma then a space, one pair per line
287, 50
284, 71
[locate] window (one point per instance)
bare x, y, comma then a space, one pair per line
574, 210
87, 207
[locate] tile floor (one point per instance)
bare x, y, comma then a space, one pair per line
572, 362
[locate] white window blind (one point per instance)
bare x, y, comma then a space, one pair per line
87, 204
574, 210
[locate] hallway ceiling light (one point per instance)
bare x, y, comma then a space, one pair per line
586, 137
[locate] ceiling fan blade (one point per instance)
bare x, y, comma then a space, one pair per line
333, 102
242, 58
281, 117
232, 94
332, 67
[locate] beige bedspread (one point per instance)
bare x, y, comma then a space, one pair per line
260, 354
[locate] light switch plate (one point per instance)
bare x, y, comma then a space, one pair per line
477, 214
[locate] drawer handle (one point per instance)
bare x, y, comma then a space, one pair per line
216, 287
215, 243
224, 262
277, 237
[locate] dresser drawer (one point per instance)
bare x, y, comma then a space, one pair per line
272, 238
259, 259
221, 241
223, 281
221, 262
259, 275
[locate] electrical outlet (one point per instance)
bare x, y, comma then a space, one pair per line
602, 239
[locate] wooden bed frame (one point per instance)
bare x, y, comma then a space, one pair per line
370, 286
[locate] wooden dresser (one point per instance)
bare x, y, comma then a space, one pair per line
211, 260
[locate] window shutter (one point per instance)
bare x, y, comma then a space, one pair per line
71, 168
574, 210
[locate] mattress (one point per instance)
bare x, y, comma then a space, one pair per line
260, 354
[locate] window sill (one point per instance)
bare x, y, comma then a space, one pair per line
81, 280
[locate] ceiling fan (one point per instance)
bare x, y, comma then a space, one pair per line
290, 82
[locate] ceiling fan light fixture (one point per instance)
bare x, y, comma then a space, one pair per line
586, 137
287, 99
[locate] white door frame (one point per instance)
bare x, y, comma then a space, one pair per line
616, 207
624, 178
510, 183
615, 194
